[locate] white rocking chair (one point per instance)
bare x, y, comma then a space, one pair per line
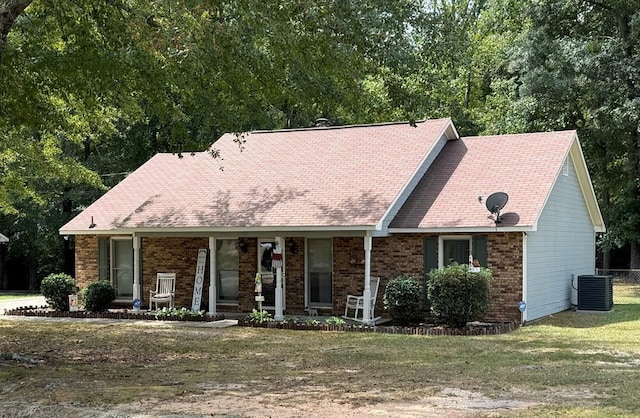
165, 290
356, 303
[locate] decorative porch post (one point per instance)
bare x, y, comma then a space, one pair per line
366, 306
213, 268
136, 268
279, 314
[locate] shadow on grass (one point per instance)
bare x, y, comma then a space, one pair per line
626, 308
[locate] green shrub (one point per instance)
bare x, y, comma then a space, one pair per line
98, 296
56, 288
334, 320
179, 313
259, 317
402, 300
457, 295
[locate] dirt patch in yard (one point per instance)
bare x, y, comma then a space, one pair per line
238, 401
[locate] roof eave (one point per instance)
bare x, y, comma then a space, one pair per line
240, 231
470, 229
584, 179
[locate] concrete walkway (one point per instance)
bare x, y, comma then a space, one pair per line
8, 304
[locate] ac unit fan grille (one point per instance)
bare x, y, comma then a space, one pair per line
595, 293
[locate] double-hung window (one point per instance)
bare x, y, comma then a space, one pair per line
319, 272
227, 265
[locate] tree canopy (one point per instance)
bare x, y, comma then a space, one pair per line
89, 90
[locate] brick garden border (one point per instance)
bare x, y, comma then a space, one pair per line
494, 329
43, 311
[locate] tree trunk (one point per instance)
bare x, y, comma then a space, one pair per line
4, 279
34, 286
606, 259
9, 11
634, 262
68, 254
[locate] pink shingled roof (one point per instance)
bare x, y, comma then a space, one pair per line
524, 166
323, 177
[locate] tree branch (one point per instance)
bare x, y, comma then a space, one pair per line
9, 11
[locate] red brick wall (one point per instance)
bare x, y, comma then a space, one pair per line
86, 260
294, 275
504, 258
173, 255
400, 254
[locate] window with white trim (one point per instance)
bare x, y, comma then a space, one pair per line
319, 272
565, 167
227, 263
454, 249
122, 267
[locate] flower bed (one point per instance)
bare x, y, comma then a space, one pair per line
470, 330
44, 311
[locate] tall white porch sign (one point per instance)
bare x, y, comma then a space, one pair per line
199, 280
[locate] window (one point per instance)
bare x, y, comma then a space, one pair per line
319, 272
565, 167
122, 267
103, 259
227, 265
454, 249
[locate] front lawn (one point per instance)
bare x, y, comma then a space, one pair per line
571, 364
12, 295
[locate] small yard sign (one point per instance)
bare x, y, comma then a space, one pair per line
199, 280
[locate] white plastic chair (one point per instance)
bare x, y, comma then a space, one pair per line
165, 290
356, 303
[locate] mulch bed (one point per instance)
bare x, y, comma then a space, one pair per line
427, 329
44, 311
470, 330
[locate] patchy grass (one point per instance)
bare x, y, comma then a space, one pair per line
571, 364
9, 296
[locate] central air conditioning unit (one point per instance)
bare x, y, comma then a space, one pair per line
595, 293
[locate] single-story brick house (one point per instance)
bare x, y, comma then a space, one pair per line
344, 204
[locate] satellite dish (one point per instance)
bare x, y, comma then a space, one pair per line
495, 203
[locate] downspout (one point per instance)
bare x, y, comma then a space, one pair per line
524, 316
213, 270
366, 306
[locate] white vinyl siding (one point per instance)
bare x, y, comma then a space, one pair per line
564, 244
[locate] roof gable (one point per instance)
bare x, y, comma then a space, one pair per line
451, 195
342, 177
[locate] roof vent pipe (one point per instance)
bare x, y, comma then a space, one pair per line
322, 122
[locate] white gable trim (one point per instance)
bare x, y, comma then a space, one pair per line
586, 186
448, 133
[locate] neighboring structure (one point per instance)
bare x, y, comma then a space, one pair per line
319, 211
3, 239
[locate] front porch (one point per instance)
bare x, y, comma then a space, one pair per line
317, 272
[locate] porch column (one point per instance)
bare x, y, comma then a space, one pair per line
366, 306
279, 314
213, 269
136, 268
